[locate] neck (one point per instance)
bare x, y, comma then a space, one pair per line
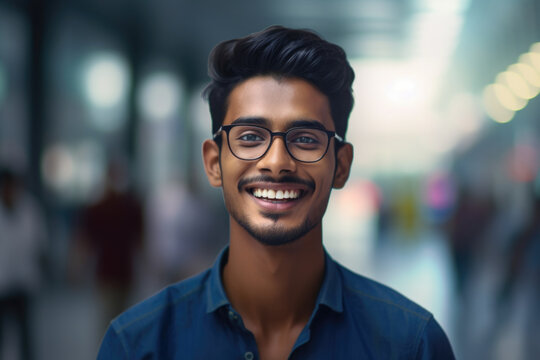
274, 287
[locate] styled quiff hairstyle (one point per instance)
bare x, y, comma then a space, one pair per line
281, 52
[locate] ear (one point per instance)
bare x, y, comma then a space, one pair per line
212, 167
343, 167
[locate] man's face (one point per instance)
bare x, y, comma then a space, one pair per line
253, 189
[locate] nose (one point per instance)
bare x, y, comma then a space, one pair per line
277, 159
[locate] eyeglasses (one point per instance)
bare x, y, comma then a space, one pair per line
251, 142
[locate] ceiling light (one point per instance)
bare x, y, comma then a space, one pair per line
527, 72
515, 83
160, 95
494, 108
105, 80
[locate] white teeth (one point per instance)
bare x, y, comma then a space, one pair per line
276, 194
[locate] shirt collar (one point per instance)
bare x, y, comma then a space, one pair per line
331, 293
214, 286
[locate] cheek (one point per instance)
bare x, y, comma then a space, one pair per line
326, 176
232, 171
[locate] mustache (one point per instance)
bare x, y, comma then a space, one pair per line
285, 179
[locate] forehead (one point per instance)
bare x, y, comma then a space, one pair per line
279, 102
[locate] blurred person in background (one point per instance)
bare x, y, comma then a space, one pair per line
110, 234
522, 275
179, 233
467, 228
22, 249
280, 101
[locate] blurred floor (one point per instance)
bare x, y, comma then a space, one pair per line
67, 323
65, 326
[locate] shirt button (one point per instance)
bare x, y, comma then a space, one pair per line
248, 355
233, 316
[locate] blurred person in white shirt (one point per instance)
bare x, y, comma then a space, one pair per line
22, 240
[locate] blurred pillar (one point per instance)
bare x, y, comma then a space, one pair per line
135, 49
38, 17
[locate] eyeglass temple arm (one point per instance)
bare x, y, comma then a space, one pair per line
215, 135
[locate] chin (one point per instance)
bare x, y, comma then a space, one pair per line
277, 234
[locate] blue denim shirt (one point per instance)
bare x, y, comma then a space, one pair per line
354, 318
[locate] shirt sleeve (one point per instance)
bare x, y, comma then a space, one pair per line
434, 344
111, 346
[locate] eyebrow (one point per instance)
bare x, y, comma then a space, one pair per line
307, 124
251, 120
254, 120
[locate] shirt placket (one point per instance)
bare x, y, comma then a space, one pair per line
248, 349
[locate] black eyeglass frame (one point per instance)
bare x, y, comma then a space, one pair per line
227, 129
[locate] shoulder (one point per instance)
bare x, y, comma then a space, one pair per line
142, 328
174, 301
390, 317
358, 288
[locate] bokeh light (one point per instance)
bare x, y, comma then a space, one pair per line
535, 47
73, 170
507, 98
514, 87
517, 84
160, 96
532, 59
494, 108
57, 166
403, 91
528, 73
105, 80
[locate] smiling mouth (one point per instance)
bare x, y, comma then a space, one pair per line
276, 195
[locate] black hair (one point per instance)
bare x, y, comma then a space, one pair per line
281, 52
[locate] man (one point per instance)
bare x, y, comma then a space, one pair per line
280, 101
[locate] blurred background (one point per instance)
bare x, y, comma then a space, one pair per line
104, 199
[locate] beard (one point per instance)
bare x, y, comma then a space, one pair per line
275, 235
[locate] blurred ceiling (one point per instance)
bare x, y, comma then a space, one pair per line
187, 30
494, 31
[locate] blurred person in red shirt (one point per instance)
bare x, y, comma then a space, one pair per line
111, 232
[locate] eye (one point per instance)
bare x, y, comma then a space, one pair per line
250, 137
246, 136
305, 139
